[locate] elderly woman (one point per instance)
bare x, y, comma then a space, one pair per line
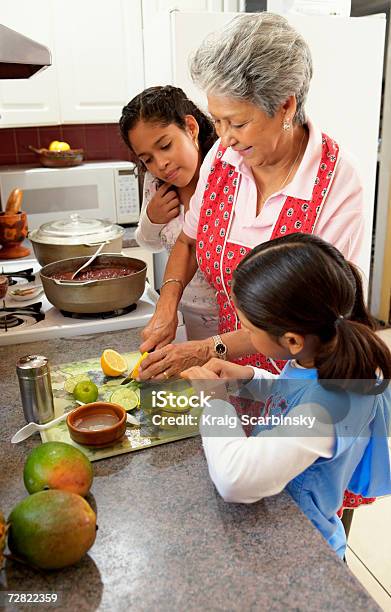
272, 172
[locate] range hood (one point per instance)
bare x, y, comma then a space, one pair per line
21, 57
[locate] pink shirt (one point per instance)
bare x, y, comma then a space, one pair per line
340, 222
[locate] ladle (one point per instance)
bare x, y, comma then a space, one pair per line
88, 262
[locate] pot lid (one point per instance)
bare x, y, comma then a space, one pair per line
76, 230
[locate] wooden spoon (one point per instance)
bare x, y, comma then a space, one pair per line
14, 202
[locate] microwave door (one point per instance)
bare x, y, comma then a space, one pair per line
55, 194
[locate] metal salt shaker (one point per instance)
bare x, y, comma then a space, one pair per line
35, 388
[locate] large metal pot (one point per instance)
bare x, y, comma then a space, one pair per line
93, 296
75, 236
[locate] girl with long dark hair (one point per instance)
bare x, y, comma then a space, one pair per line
169, 137
302, 301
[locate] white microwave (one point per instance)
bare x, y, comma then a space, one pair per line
99, 190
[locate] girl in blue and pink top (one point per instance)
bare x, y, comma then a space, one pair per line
301, 301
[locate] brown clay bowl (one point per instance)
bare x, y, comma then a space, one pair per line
13, 230
112, 418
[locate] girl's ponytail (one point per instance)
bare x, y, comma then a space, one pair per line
357, 354
354, 358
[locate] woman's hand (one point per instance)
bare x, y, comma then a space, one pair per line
159, 332
218, 368
164, 205
173, 358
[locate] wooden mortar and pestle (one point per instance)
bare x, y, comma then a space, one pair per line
13, 228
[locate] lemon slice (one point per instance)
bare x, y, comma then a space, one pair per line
127, 398
137, 365
112, 363
71, 382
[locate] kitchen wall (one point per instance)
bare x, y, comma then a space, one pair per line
99, 141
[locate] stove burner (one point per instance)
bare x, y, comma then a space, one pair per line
32, 310
27, 274
100, 315
8, 321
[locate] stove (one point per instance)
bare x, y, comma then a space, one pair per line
36, 319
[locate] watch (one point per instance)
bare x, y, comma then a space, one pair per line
220, 348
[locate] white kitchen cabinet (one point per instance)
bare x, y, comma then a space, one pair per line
151, 7
99, 58
31, 101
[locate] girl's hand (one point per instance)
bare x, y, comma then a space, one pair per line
204, 379
164, 205
224, 369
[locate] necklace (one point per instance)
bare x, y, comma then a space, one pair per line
262, 200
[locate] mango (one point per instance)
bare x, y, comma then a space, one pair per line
51, 529
57, 465
3, 533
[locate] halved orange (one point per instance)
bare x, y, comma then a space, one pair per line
112, 363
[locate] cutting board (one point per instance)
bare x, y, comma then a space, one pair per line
135, 438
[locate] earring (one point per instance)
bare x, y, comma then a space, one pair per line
196, 144
286, 125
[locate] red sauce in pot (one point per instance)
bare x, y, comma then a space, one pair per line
95, 273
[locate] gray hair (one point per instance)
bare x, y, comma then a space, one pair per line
259, 58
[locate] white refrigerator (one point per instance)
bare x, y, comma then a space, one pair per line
345, 93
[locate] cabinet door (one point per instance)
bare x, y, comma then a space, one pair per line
32, 101
100, 58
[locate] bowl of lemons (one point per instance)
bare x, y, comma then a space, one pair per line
59, 155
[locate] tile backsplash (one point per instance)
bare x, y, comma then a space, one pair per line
99, 141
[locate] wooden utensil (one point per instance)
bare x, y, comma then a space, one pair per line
14, 202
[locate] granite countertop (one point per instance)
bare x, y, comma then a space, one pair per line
166, 540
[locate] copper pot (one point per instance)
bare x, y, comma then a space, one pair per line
94, 296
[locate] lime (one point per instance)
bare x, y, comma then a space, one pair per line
85, 391
71, 382
127, 398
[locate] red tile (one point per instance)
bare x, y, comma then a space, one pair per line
96, 155
7, 142
113, 134
24, 138
120, 152
48, 134
9, 159
27, 158
75, 136
96, 138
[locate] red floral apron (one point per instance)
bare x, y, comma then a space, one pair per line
218, 257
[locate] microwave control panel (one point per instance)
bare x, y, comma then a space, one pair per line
128, 206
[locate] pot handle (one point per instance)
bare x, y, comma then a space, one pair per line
96, 244
74, 283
